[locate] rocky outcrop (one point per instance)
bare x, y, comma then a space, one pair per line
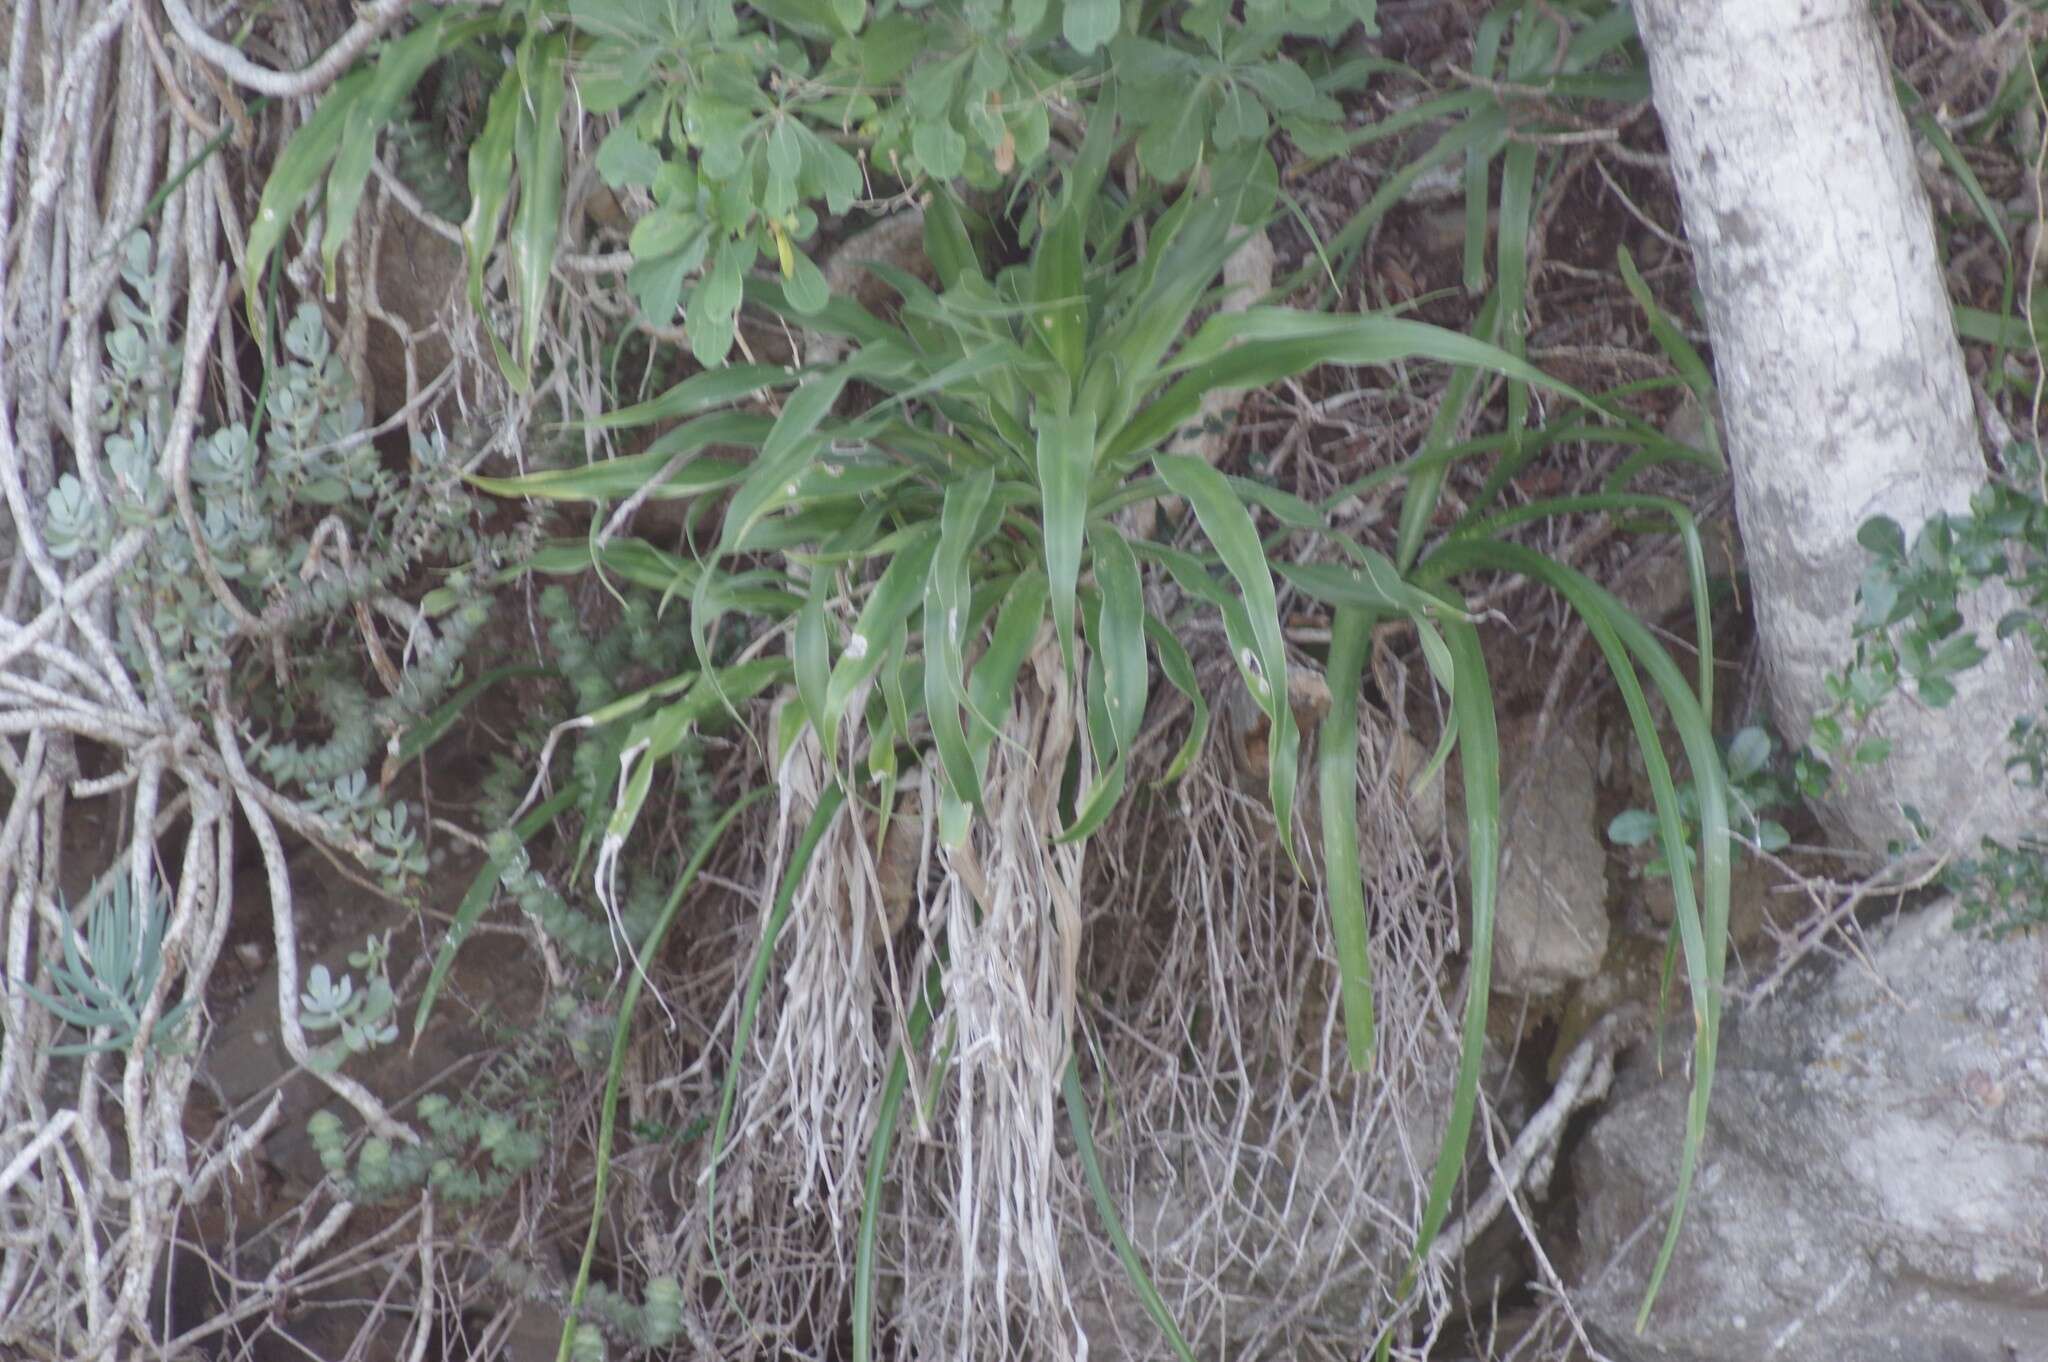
1874, 1175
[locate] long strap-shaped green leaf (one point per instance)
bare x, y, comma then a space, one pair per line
1683, 523
481, 890
1479, 759
1066, 458
607, 1121
880, 1148
299, 167
1419, 500
1702, 921
1337, 779
537, 221
947, 622
1105, 1206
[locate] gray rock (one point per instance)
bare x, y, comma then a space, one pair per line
1874, 1176
1550, 928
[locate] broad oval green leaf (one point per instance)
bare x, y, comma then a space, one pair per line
715, 302
1088, 24
1632, 828
939, 148
805, 285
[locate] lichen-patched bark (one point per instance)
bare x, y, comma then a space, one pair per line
1842, 384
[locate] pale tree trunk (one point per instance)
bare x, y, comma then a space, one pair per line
1842, 385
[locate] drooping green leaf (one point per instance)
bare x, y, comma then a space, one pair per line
830, 801
397, 70
659, 1302
1700, 919
1373, 583
1263, 345
297, 170
1479, 759
1687, 360
805, 285
993, 684
483, 887
784, 456
879, 631
657, 735
1337, 784
1105, 1207
416, 740
876, 1163
616, 479
1230, 529
697, 393
1179, 671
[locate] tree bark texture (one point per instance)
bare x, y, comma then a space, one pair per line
1843, 393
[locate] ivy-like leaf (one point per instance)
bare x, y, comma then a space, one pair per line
1089, 24
1170, 146
716, 303
624, 158
805, 285
940, 148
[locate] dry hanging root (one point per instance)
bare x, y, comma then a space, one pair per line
823, 1056
1013, 923
1006, 906
1269, 1190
